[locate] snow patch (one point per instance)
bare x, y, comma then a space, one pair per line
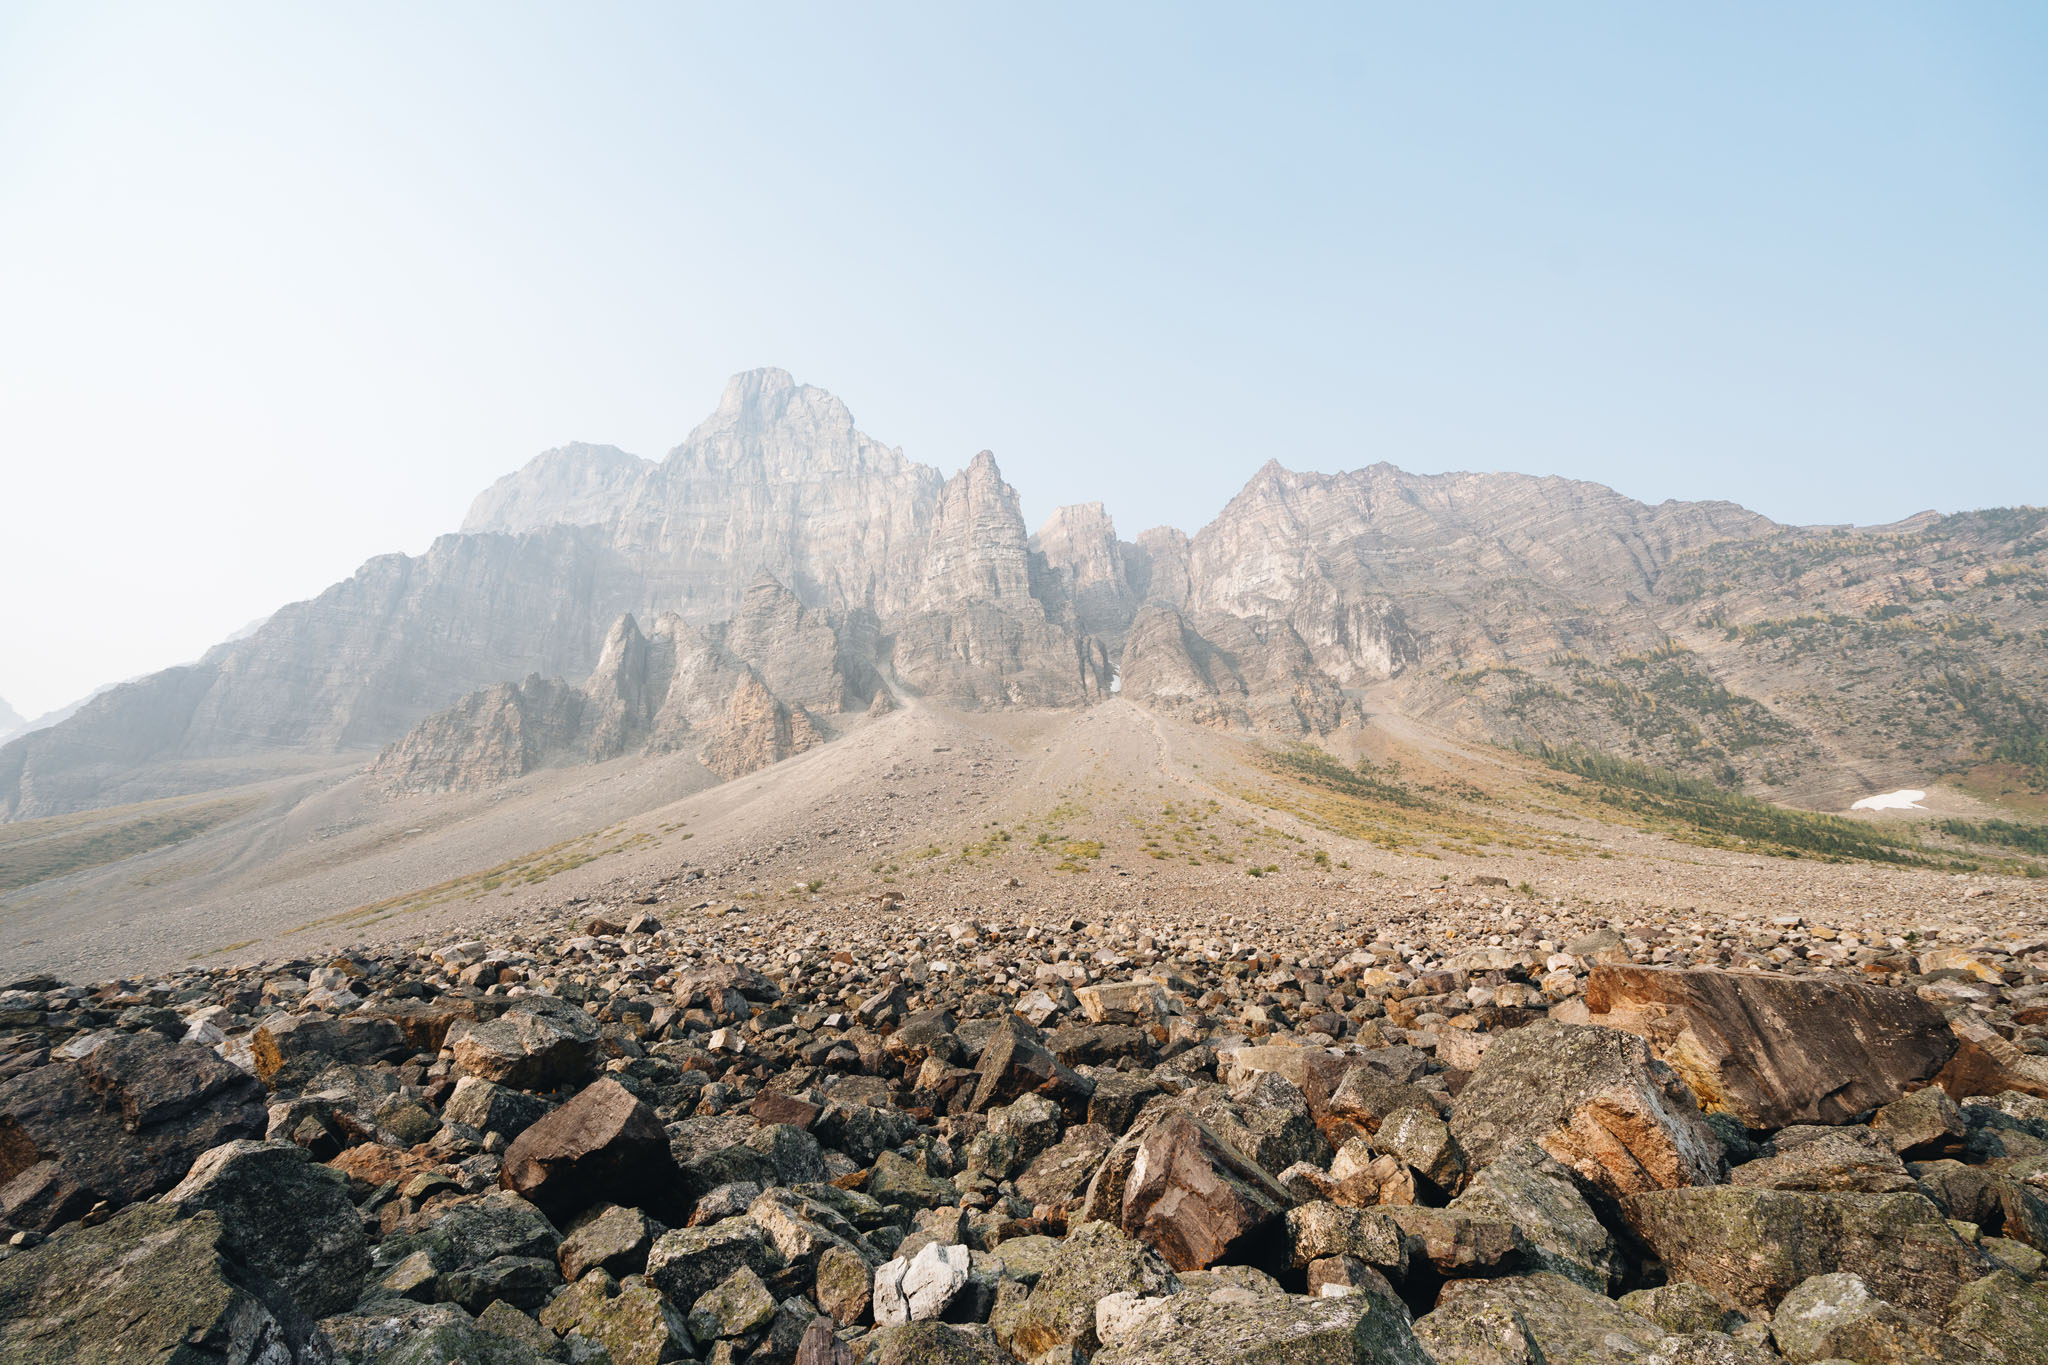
1906, 799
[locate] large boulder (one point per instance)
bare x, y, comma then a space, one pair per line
1840, 1159
921, 1287
148, 1284
1986, 1063
1197, 1200
634, 1324
603, 1146
1750, 1247
291, 1049
497, 1246
122, 1122
1323, 1230
403, 1332
2005, 1311
1522, 1320
284, 1217
689, 1262
1771, 1050
931, 1343
541, 1043
1235, 1326
1596, 1101
492, 1108
610, 1238
1125, 1002
1059, 1175
1836, 1317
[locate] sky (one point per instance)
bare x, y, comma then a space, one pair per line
282, 286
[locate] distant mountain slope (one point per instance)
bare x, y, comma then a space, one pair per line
10, 719
836, 573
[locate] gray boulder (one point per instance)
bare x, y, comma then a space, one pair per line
148, 1284
284, 1217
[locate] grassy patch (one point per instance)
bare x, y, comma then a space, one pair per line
1319, 768
37, 850
1701, 813
527, 871
1999, 834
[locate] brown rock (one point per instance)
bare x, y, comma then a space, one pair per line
1196, 1200
1986, 1064
1459, 1242
1926, 1122
1773, 1050
776, 1106
1596, 1101
1015, 1062
819, 1345
604, 1146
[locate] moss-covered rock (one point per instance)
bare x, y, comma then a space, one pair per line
1751, 1247
1236, 1326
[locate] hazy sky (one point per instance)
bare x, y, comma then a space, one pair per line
282, 286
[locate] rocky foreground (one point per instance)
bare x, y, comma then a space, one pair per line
1116, 1143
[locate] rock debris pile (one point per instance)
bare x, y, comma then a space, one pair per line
1130, 1144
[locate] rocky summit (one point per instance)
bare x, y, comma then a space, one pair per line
649, 1135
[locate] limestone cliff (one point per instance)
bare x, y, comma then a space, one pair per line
571, 485
976, 634
1083, 572
650, 693
795, 569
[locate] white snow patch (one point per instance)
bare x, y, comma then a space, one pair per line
1906, 799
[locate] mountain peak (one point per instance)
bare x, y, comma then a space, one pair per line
749, 387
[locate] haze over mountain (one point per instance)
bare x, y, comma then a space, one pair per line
793, 566
10, 719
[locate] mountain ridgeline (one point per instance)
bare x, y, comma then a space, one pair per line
781, 576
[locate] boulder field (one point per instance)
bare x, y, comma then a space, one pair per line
1051, 1143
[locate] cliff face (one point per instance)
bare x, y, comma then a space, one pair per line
977, 635
650, 693
779, 481
1084, 573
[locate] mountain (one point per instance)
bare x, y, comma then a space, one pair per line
779, 575
10, 719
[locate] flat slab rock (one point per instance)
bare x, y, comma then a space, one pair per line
1238, 1327
1772, 1050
